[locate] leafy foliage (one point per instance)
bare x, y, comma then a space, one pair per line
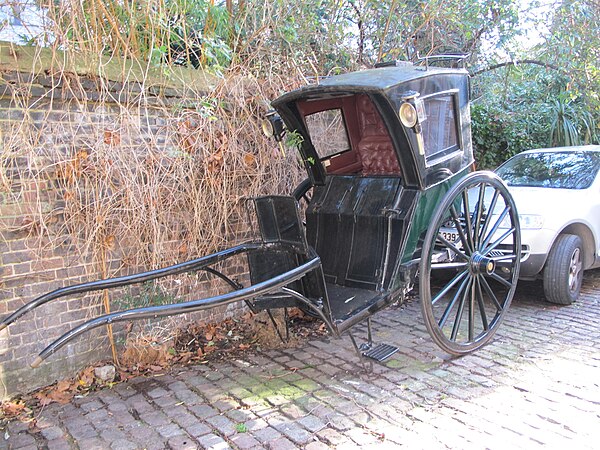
556, 102
571, 123
553, 103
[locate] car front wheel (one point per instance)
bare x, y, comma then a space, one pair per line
564, 270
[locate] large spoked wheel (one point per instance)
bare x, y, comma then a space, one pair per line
470, 263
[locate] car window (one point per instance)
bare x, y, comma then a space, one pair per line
559, 170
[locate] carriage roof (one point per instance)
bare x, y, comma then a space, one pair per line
378, 80
438, 145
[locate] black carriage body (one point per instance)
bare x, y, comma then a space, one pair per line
369, 102
387, 152
375, 190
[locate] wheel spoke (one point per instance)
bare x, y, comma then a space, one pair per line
480, 209
448, 265
505, 258
451, 304
459, 312
488, 217
489, 292
467, 214
498, 241
460, 230
449, 286
484, 320
472, 311
487, 240
505, 262
499, 279
452, 247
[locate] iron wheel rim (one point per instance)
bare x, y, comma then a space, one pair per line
464, 313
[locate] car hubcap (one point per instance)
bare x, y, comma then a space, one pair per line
574, 270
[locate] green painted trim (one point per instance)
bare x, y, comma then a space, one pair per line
426, 205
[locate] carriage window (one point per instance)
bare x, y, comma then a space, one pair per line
328, 132
440, 135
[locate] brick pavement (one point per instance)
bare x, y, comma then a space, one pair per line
536, 384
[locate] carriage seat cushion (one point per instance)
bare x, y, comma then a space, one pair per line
378, 156
345, 163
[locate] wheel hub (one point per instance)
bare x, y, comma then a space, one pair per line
574, 270
481, 264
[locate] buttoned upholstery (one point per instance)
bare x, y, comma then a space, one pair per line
375, 147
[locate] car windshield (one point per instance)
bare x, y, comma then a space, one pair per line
559, 170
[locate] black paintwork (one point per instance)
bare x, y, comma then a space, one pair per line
386, 86
351, 260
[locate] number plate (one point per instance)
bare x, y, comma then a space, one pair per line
449, 236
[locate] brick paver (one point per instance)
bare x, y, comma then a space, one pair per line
536, 384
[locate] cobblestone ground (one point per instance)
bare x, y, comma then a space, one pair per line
536, 384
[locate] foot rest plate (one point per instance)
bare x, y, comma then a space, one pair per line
380, 352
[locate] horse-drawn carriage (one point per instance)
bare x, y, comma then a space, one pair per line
390, 200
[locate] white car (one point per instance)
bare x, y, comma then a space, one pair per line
557, 194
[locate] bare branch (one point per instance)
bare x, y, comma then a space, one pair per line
516, 63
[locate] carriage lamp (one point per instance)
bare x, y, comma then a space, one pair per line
272, 126
412, 109
408, 115
411, 114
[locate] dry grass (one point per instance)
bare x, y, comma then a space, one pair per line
122, 193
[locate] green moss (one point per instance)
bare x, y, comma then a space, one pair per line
291, 392
306, 385
39, 61
394, 364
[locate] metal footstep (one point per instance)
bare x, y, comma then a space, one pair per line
380, 352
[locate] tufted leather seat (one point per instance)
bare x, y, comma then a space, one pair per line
378, 157
375, 147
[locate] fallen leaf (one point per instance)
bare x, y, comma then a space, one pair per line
249, 159
12, 408
43, 399
185, 357
86, 378
111, 137
63, 385
62, 397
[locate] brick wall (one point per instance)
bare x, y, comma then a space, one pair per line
46, 121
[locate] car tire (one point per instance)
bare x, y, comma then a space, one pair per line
564, 270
